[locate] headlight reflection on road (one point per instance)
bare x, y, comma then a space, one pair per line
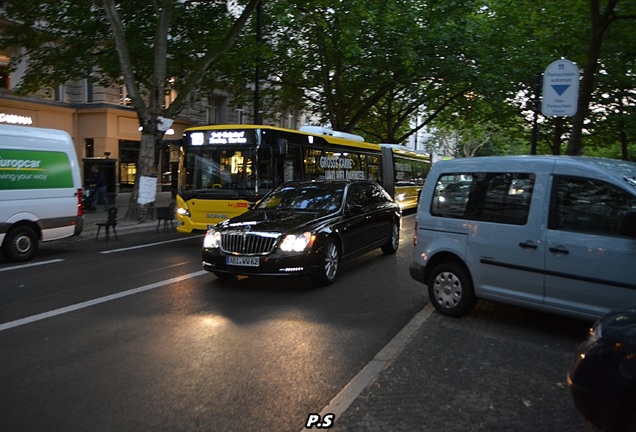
214, 321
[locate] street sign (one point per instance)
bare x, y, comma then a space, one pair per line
560, 89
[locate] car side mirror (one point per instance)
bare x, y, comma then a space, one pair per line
627, 224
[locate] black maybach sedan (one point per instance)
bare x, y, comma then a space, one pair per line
602, 376
305, 228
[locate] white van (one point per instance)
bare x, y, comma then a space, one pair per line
552, 233
40, 189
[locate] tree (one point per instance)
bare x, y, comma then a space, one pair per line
140, 43
369, 66
538, 32
601, 17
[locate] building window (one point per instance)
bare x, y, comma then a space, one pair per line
4, 77
216, 110
241, 116
5, 59
89, 147
59, 94
88, 90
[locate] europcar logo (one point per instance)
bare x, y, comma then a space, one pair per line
31, 169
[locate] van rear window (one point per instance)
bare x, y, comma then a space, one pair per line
489, 197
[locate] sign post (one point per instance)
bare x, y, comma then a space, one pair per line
560, 89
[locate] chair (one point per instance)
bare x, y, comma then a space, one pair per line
110, 222
165, 214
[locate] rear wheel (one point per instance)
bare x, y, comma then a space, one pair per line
391, 246
20, 244
329, 263
451, 290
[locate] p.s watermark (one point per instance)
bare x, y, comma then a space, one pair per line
324, 422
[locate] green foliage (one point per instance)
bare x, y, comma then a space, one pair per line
382, 69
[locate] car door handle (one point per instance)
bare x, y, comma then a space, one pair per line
529, 244
559, 250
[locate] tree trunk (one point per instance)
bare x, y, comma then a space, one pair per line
143, 209
600, 22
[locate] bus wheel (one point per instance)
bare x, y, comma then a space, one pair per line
20, 244
329, 263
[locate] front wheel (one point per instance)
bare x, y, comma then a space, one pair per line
450, 289
20, 244
329, 263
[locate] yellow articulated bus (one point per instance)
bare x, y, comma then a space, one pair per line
225, 168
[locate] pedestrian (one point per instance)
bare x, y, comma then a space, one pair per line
98, 184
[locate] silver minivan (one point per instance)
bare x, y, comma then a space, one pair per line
553, 233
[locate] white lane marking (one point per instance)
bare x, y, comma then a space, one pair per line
349, 393
144, 245
96, 301
17, 267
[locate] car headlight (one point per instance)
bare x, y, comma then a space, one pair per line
212, 239
297, 242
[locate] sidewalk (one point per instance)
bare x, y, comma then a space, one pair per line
122, 202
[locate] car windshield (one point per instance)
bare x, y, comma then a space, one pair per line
310, 197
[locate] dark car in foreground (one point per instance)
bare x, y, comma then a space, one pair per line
602, 377
305, 228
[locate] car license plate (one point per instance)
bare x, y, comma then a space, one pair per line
243, 261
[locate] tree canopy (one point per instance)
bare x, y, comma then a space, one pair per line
386, 70
141, 44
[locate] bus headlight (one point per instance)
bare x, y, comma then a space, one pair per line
297, 242
212, 240
183, 211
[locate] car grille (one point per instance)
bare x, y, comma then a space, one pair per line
248, 243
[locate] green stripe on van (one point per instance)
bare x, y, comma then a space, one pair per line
33, 169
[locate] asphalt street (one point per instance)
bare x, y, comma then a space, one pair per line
499, 368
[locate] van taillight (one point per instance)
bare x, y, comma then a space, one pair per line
80, 207
415, 234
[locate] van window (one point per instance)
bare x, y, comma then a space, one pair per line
489, 197
588, 206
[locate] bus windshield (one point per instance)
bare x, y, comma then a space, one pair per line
214, 169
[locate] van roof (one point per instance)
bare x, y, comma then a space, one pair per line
32, 131
35, 138
569, 165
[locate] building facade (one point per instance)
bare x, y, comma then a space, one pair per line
103, 123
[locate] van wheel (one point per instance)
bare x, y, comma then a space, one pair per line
329, 263
451, 290
391, 246
20, 244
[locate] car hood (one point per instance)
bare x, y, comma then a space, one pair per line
280, 221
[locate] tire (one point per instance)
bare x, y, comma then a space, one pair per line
329, 263
391, 246
450, 289
20, 244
